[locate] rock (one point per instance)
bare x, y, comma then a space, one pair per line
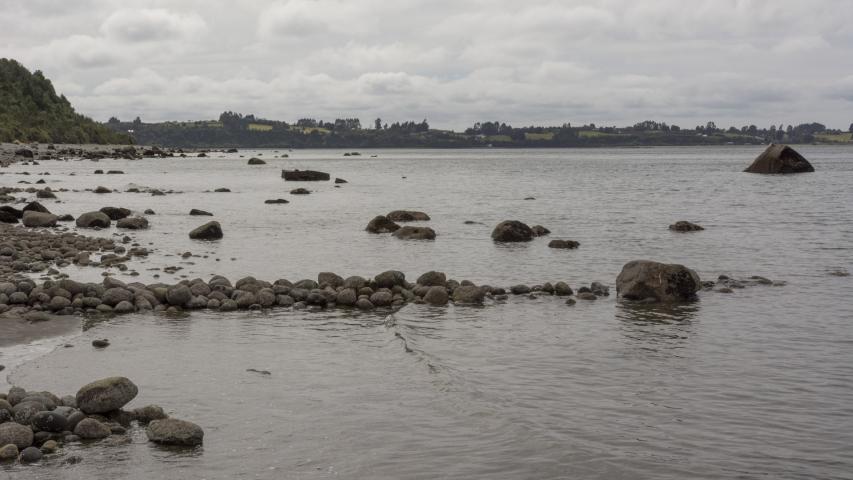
148, 211
105, 395
102, 190
256, 161
436, 295
414, 233
133, 223
124, 307
539, 230
599, 289
35, 207
331, 279
24, 411
24, 153
382, 298
432, 278
114, 296
74, 418
643, 279
468, 294
381, 224
208, 231
300, 191
780, 159
276, 201
171, 431
34, 219
304, 175
566, 244
178, 295
49, 446
222, 190
49, 422
364, 304
587, 296
340, 180
16, 434
149, 413
390, 279
562, 289
347, 297
91, 429
519, 289
684, 226
197, 212
115, 172
115, 213
8, 452
30, 455
93, 219
512, 231
46, 193
407, 216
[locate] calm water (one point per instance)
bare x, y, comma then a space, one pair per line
755, 384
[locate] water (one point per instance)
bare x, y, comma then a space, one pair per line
755, 384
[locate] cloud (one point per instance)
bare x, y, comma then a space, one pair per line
146, 25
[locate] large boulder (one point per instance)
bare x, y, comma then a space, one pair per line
780, 159
390, 279
116, 213
133, 223
407, 216
432, 278
35, 219
35, 207
49, 422
409, 232
16, 434
171, 431
512, 231
106, 395
208, 231
645, 280
304, 175
381, 224
93, 219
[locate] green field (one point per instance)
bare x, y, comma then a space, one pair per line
595, 133
539, 136
260, 127
498, 138
834, 137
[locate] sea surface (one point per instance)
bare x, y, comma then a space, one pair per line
756, 384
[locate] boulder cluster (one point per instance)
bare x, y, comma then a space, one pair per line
34, 424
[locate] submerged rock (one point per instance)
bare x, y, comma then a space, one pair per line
780, 159
414, 233
171, 431
685, 226
407, 216
647, 280
564, 244
304, 175
381, 224
512, 231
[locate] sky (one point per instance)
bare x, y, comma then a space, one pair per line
453, 62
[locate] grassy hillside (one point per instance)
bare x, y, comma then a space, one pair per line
31, 111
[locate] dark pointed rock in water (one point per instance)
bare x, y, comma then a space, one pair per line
381, 224
409, 232
197, 212
566, 244
407, 216
300, 191
12, 212
35, 207
644, 279
106, 395
256, 161
276, 201
91, 429
171, 431
780, 159
340, 180
208, 231
539, 230
116, 213
512, 231
685, 226
304, 175
16, 434
34, 219
93, 220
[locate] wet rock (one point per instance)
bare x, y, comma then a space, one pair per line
304, 175
276, 201
105, 395
115, 213
390, 279
364, 304
49, 446
340, 180
382, 298
643, 279
256, 161
331, 279
512, 231
599, 289
381, 224
16, 434
346, 297
780, 159
34, 219
30, 455
93, 220
685, 226
149, 413
197, 212
520, 289
49, 422
436, 295
565, 244
171, 431
432, 278
91, 429
414, 233
133, 223
178, 295
222, 190
562, 289
35, 207
407, 216
208, 231
26, 410
539, 230
586, 296
8, 452
468, 294
102, 190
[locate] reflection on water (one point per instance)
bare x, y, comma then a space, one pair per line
644, 313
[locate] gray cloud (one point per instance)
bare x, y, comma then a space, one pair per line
603, 61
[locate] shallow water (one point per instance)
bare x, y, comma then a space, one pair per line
754, 384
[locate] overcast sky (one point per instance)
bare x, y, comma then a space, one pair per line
453, 62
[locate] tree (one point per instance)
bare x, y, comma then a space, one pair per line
377, 124
851, 128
